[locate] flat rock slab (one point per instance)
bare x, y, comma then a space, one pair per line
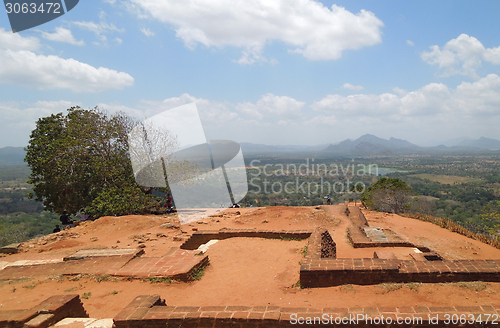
176, 264
4, 264
80, 255
375, 234
10, 249
84, 323
386, 255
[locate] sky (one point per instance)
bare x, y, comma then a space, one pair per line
273, 72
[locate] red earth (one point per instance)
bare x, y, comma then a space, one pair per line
245, 271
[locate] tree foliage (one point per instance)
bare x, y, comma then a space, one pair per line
78, 159
388, 194
492, 213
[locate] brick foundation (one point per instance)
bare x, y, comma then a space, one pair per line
45, 314
152, 312
335, 272
202, 237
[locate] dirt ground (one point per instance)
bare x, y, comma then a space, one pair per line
245, 271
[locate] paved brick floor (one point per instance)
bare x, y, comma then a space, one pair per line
176, 264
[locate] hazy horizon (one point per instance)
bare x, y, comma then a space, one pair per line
449, 143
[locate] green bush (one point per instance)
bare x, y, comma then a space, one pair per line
124, 200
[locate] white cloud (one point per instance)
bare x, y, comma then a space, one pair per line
462, 55
18, 120
400, 91
481, 98
270, 105
308, 27
99, 29
349, 86
61, 34
147, 32
322, 120
19, 65
360, 104
14, 41
410, 43
429, 114
52, 72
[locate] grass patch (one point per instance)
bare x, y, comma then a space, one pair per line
473, 285
303, 251
157, 280
69, 290
290, 238
86, 295
58, 278
347, 239
103, 277
347, 288
197, 273
32, 285
389, 287
16, 281
114, 292
77, 277
297, 284
414, 286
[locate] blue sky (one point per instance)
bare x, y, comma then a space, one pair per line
268, 71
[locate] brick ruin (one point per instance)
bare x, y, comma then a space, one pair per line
319, 268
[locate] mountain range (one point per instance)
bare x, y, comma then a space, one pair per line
370, 145
12, 156
367, 144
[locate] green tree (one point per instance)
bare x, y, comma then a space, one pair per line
491, 212
77, 159
388, 194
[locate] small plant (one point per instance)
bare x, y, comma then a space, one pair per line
58, 278
32, 285
69, 290
473, 285
197, 273
77, 277
102, 277
389, 287
346, 288
348, 240
86, 295
156, 280
414, 286
297, 284
290, 238
114, 292
303, 251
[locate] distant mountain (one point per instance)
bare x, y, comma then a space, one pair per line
248, 148
455, 142
481, 143
371, 145
12, 156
